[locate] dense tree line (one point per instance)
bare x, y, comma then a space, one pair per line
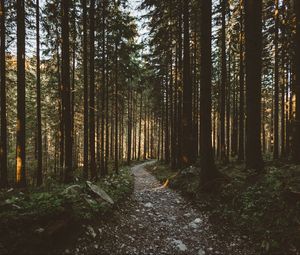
215, 80
237, 102
74, 100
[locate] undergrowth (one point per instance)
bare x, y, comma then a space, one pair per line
264, 207
29, 216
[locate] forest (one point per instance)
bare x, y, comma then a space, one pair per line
150, 127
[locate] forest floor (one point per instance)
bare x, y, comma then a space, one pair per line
157, 220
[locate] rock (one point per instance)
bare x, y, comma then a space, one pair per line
91, 231
201, 252
173, 218
180, 245
193, 225
73, 190
39, 230
148, 205
99, 192
198, 221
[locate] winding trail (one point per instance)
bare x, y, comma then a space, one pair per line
157, 220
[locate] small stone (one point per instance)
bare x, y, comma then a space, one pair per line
201, 252
39, 230
180, 245
91, 231
148, 205
193, 225
198, 221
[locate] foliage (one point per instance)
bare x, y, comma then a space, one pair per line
24, 213
262, 207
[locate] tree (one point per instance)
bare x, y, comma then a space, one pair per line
20, 165
253, 47
38, 100
103, 98
3, 120
67, 113
85, 96
92, 91
188, 156
241, 146
223, 83
296, 153
276, 85
208, 169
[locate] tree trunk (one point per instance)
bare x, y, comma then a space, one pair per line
67, 111
276, 86
223, 84
92, 91
188, 155
167, 121
103, 169
129, 128
208, 169
253, 38
21, 115
116, 159
140, 128
296, 133
85, 96
38, 100
3, 119
241, 153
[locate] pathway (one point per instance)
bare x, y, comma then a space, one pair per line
156, 221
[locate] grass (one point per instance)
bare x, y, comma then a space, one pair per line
264, 207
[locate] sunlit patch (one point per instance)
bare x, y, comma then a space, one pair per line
166, 184
19, 169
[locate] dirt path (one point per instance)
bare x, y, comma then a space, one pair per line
156, 220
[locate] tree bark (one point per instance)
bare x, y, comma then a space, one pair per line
3, 128
38, 100
296, 132
188, 155
241, 153
92, 92
276, 86
223, 84
85, 96
21, 115
208, 169
67, 111
253, 39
